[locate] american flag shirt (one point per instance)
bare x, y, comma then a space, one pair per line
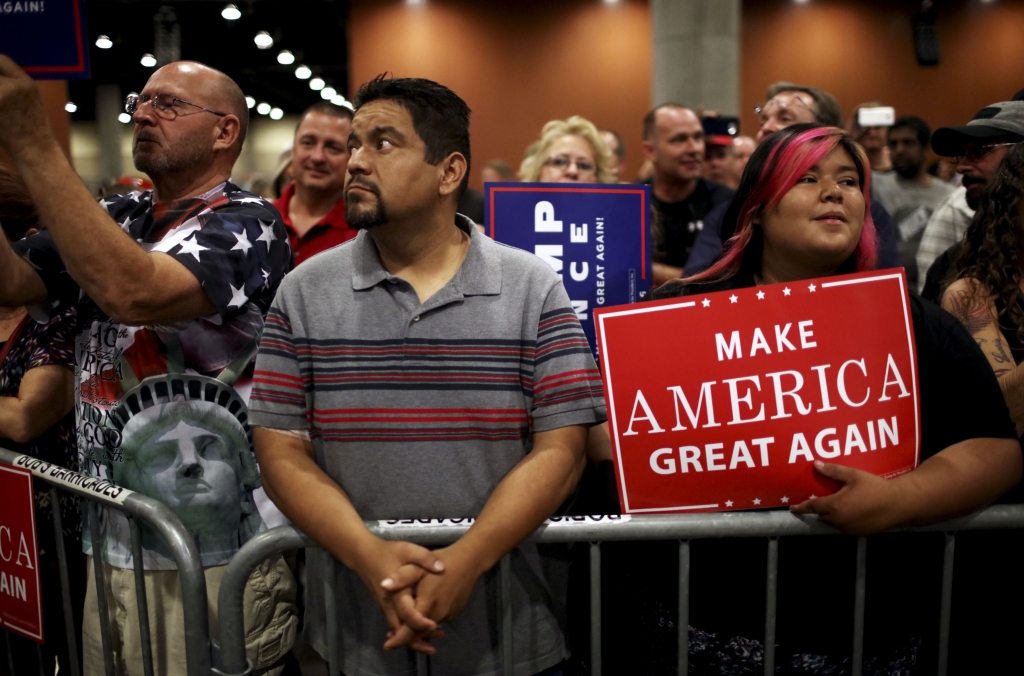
163, 410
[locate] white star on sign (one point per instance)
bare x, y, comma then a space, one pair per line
267, 235
728, 503
786, 291
733, 298
785, 499
191, 246
252, 200
243, 243
757, 501
706, 303
760, 295
238, 296
812, 288
812, 497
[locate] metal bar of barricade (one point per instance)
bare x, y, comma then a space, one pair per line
39, 660
331, 611
160, 519
10, 653
141, 602
101, 587
859, 592
65, 585
771, 606
946, 608
595, 609
684, 608
421, 665
505, 573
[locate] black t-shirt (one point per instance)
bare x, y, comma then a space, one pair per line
676, 224
960, 399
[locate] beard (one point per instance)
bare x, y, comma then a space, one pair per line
975, 189
183, 155
906, 170
364, 219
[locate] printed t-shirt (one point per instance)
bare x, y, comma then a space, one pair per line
675, 225
419, 410
162, 410
329, 231
960, 400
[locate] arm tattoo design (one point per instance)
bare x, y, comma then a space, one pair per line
973, 315
999, 354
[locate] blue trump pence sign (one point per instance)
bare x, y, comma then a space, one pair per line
596, 237
47, 38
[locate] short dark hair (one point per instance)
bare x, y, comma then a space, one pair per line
924, 132
325, 108
17, 210
620, 149
652, 113
826, 107
439, 116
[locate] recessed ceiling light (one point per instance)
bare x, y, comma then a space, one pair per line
285, 58
317, 83
303, 72
340, 100
70, 107
263, 40
250, 101
103, 42
415, 2
328, 93
276, 113
263, 108
231, 13
124, 118
148, 60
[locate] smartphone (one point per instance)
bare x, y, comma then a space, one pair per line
883, 116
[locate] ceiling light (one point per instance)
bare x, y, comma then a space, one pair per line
339, 100
263, 108
285, 58
148, 60
276, 113
263, 40
250, 101
103, 42
415, 2
317, 83
231, 13
124, 118
303, 72
328, 93
70, 107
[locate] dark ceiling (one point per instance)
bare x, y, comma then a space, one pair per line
313, 30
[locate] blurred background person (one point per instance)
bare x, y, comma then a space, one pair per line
497, 171
614, 142
743, 148
718, 160
37, 397
874, 139
569, 151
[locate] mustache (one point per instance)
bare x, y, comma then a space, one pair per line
969, 180
372, 187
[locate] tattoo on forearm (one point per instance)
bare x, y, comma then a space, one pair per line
999, 355
1001, 372
972, 314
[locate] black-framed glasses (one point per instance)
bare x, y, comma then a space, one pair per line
562, 163
973, 153
163, 105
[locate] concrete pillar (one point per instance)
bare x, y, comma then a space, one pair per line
109, 104
697, 53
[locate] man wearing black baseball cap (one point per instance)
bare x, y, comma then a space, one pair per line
977, 148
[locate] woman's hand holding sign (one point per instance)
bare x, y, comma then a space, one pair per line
865, 504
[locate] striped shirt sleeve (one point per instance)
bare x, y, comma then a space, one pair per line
279, 395
566, 383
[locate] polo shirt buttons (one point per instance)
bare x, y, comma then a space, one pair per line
416, 318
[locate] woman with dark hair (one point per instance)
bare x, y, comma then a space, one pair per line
802, 212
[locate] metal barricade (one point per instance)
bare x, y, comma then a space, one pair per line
595, 530
163, 521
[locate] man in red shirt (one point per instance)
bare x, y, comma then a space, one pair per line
312, 206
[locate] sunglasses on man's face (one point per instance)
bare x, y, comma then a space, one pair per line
973, 153
164, 105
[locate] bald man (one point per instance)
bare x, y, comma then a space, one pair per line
171, 287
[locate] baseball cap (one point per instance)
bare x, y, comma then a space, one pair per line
998, 122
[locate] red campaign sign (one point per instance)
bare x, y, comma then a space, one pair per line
723, 401
21, 602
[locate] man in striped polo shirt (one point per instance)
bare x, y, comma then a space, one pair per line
423, 371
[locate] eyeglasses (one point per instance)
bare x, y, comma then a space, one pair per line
562, 163
781, 101
163, 105
973, 153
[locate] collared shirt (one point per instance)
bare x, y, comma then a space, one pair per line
419, 410
945, 228
328, 232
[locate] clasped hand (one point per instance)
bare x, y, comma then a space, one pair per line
865, 503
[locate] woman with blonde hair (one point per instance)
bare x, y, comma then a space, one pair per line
569, 151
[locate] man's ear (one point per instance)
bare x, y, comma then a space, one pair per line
453, 170
226, 132
648, 150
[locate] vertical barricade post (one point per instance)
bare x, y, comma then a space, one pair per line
595, 608
142, 603
771, 605
684, 608
93, 516
860, 586
946, 609
65, 585
505, 574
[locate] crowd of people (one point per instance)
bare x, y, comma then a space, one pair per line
358, 349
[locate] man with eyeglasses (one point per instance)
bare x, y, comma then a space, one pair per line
171, 288
977, 148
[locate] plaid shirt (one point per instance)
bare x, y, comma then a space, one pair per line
945, 228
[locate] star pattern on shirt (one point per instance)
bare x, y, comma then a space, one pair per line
786, 291
243, 244
238, 297
192, 246
757, 501
250, 200
706, 303
760, 295
266, 277
267, 236
733, 298
812, 288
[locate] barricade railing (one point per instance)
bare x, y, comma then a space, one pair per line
230, 655
161, 519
